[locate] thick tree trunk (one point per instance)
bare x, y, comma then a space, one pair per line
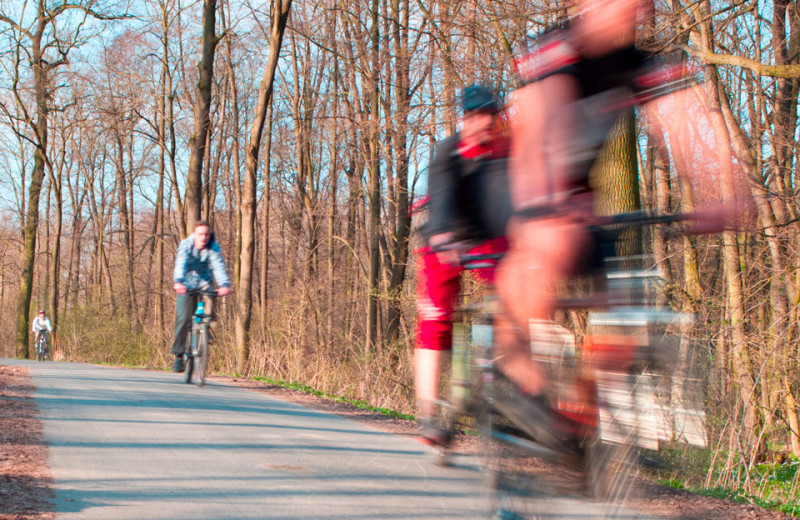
616, 180
280, 15
374, 183
402, 222
29, 247
40, 80
202, 118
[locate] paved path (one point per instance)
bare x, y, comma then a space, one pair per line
131, 444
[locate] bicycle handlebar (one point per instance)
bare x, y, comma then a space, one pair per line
628, 219
201, 292
480, 261
642, 218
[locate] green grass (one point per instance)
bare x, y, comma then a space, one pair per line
776, 483
363, 405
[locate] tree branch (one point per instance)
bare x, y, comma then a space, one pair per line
774, 71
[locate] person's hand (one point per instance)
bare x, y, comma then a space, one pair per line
223, 291
449, 257
179, 288
735, 214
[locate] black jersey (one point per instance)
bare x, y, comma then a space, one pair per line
608, 85
468, 191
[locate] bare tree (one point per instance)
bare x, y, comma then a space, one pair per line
279, 15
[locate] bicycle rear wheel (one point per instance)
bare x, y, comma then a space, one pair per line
201, 358
612, 455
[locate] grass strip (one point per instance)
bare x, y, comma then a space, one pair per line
363, 405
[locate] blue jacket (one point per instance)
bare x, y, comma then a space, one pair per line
197, 268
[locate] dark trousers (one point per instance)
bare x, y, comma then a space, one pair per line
185, 306
39, 333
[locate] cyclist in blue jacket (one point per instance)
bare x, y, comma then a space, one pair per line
198, 264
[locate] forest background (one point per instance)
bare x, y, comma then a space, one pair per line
302, 131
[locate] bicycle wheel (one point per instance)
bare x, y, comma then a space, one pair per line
188, 358
513, 489
39, 355
612, 454
201, 358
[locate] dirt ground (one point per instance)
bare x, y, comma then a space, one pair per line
26, 484
25, 481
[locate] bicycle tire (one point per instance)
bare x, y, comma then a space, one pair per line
41, 349
612, 465
201, 358
188, 359
512, 491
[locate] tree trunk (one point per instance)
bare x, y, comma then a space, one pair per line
55, 262
127, 242
202, 118
374, 183
264, 295
40, 80
280, 15
402, 223
616, 180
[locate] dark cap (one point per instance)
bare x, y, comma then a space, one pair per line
478, 97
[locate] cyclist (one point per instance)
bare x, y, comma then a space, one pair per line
198, 264
41, 325
466, 179
579, 80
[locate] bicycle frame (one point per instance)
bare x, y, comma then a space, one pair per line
607, 383
197, 348
41, 346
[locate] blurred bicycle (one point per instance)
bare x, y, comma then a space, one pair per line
610, 396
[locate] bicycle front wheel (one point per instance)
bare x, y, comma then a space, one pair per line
201, 359
188, 359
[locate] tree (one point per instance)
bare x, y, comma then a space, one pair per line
48, 50
279, 14
202, 119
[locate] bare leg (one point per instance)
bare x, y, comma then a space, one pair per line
543, 254
427, 366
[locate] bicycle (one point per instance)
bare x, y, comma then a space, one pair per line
41, 347
606, 386
197, 341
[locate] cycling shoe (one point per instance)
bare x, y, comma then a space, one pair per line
432, 434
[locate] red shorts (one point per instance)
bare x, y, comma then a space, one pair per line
438, 285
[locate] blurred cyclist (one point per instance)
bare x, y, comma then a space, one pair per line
468, 210
579, 81
198, 264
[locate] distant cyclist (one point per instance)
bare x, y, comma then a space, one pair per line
468, 193
41, 325
198, 264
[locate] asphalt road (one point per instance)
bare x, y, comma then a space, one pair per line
131, 444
